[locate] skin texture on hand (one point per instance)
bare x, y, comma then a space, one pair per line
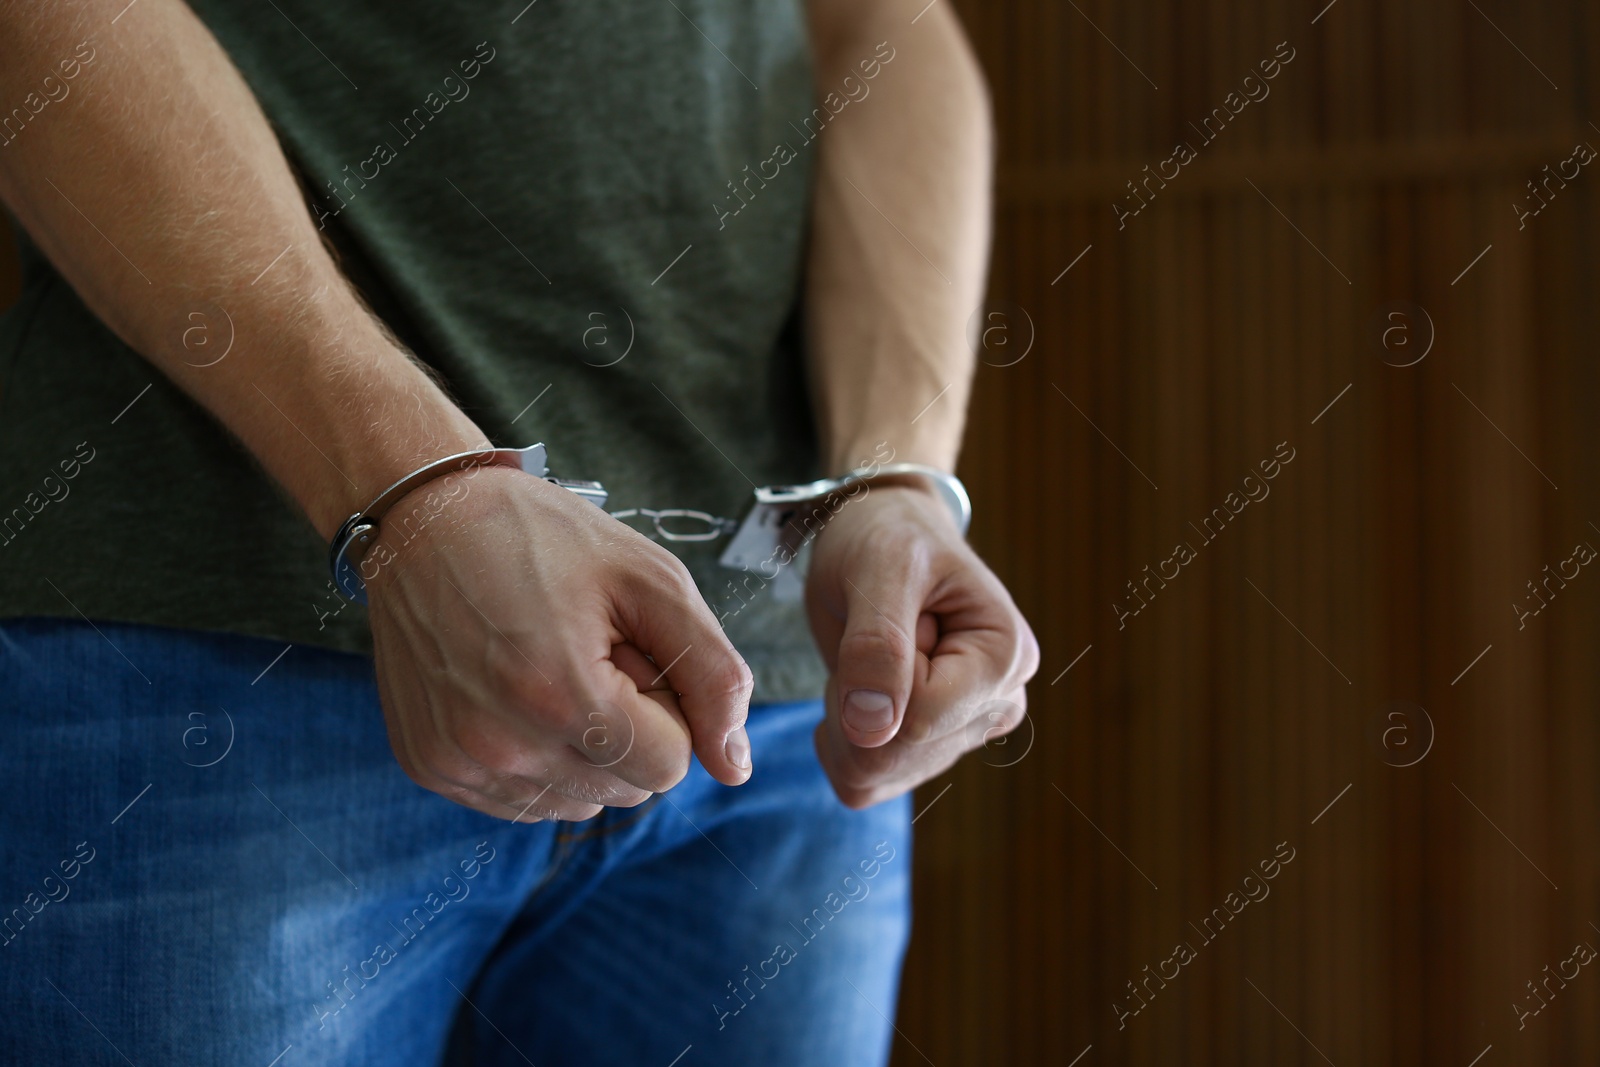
927, 652
538, 660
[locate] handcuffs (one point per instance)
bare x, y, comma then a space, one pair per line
763, 532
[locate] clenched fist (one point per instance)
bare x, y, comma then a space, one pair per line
927, 651
537, 659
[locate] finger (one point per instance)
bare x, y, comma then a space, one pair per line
505, 797
984, 652
878, 648
407, 747
533, 737
993, 724
571, 774
866, 776
862, 777
641, 738
491, 784
667, 619
505, 794
647, 678
543, 803
494, 761
606, 748
622, 741
633, 744
967, 674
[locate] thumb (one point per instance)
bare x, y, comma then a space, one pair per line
877, 656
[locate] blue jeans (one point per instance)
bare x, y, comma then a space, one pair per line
210, 856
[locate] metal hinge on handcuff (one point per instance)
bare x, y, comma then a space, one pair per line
767, 529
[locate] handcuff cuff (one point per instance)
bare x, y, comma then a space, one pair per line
757, 538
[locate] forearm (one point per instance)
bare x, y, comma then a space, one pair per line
158, 190
900, 233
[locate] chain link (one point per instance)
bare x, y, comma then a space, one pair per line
716, 527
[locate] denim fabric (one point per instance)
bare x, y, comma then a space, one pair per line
210, 856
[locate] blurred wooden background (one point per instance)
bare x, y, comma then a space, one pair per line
1222, 720
1210, 729
9, 280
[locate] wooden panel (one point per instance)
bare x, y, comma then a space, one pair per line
1227, 715
10, 278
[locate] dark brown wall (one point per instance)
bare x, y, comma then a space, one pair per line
9, 280
1222, 719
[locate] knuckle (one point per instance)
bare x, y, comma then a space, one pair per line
452, 767
1000, 720
732, 678
611, 793
407, 764
1014, 717
536, 813
439, 763
632, 797
557, 809
568, 713
521, 686
660, 568
623, 795
417, 775
535, 805
1029, 665
856, 798
488, 747
459, 794
866, 768
665, 777
882, 645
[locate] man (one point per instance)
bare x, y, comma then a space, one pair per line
282, 256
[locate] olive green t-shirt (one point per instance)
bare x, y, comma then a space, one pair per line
570, 211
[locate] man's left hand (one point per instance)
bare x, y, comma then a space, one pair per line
928, 653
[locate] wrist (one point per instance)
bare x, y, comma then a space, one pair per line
326, 400
922, 492
415, 518
435, 487
868, 452
922, 487
377, 435
878, 461
932, 437
336, 428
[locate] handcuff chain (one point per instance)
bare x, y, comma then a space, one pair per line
717, 526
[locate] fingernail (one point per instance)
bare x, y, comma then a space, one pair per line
868, 711
737, 749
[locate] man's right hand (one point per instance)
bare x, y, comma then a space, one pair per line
537, 659
520, 629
